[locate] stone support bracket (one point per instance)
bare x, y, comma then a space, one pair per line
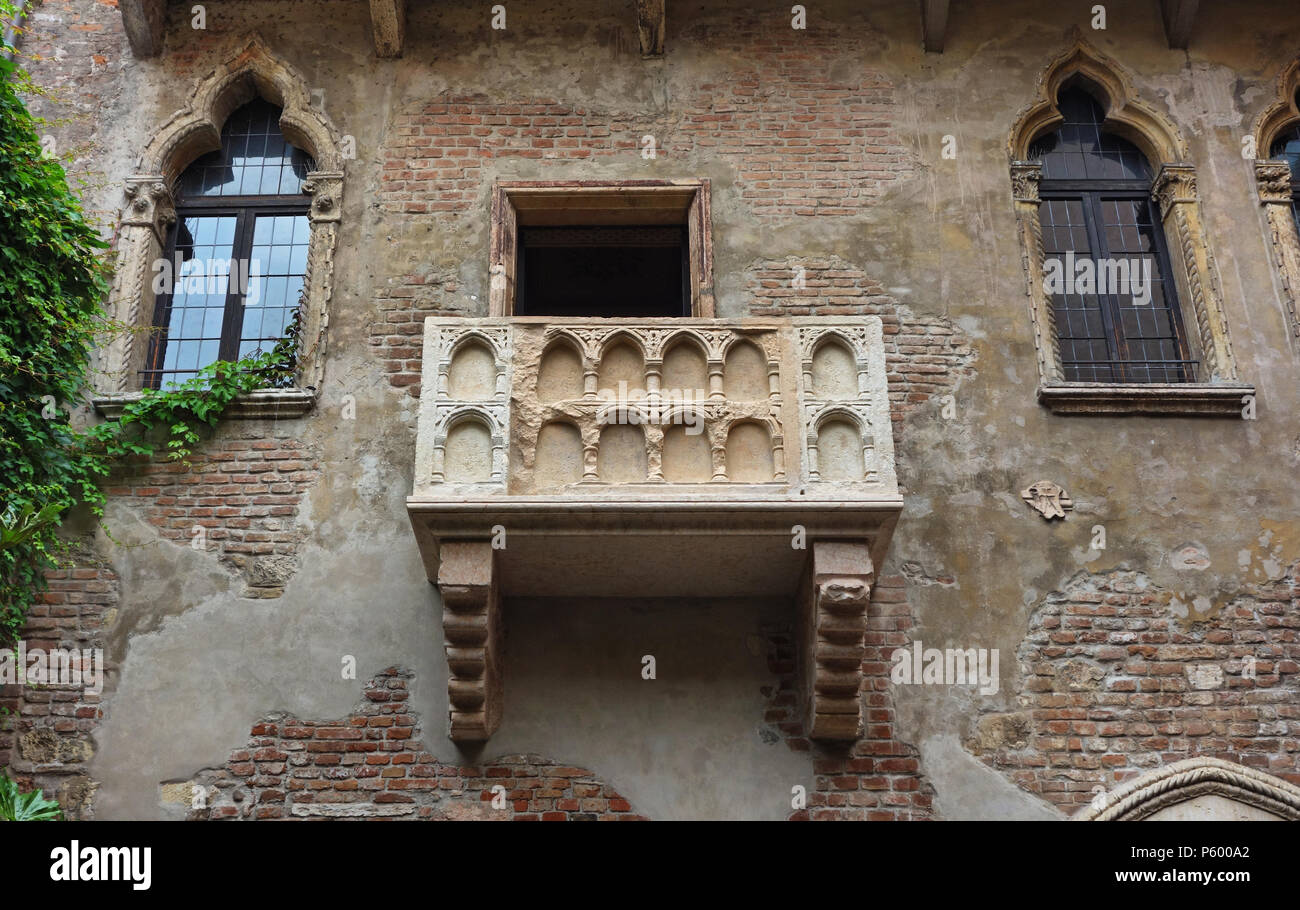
833, 626
471, 623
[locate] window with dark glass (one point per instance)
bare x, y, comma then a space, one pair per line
1287, 148
237, 253
1117, 315
630, 270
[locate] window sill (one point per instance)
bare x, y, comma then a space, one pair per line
273, 403
1172, 399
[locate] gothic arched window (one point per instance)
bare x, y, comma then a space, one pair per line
237, 254
1106, 267
1286, 147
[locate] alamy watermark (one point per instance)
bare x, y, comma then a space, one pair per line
922, 666
1085, 276
681, 407
83, 668
208, 276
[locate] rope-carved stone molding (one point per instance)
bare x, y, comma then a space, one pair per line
150, 210
1218, 391
1191, 778
1273, 179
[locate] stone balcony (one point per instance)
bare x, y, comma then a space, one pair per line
564, 457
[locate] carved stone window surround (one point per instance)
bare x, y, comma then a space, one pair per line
1219, 393
150, 210
560, 202
1276, 187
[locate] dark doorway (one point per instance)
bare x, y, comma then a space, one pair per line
603, 270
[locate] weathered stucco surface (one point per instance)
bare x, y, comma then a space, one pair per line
1205, 509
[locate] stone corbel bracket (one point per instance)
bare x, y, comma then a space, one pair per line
471, 624
833, 626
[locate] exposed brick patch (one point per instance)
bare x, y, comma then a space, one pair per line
1115, 683
373, 764
924, 355
75, 50
243, 493
801, 141
397, 335
46, 736
878, 778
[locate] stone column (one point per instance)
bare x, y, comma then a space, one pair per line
1025, 178
1174, 192
1273, 179
149, 214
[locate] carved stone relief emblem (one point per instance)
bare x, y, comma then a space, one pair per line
1048, 499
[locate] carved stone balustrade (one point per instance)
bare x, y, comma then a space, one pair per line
658, 458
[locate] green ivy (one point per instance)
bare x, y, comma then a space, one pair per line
32, 806
54, 273
52, 277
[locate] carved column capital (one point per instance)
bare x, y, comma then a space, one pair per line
471, 624
326, 190
1274, 181
1175, 183
149, 204
837, 590
1025, 177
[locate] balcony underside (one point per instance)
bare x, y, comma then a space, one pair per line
556, 547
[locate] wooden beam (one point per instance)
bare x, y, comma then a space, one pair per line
1179, 17
650, 26
388, 22
144, 21
934, 24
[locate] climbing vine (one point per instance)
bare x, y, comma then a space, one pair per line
54, 274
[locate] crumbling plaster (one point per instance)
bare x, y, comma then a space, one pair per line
198, 663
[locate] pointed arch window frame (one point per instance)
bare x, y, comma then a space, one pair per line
1218, 393
150, 212
1279, 188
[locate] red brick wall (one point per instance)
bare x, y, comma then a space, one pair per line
878, 778
47, 736
1105, 674
397, 336
373, 763
74, 50
243, 492
924, 355
800, 141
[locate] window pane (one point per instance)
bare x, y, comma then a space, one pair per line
204, 245
1080, 150
1287, 147
1134, 279
254, 158
1080, 326
279, 260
